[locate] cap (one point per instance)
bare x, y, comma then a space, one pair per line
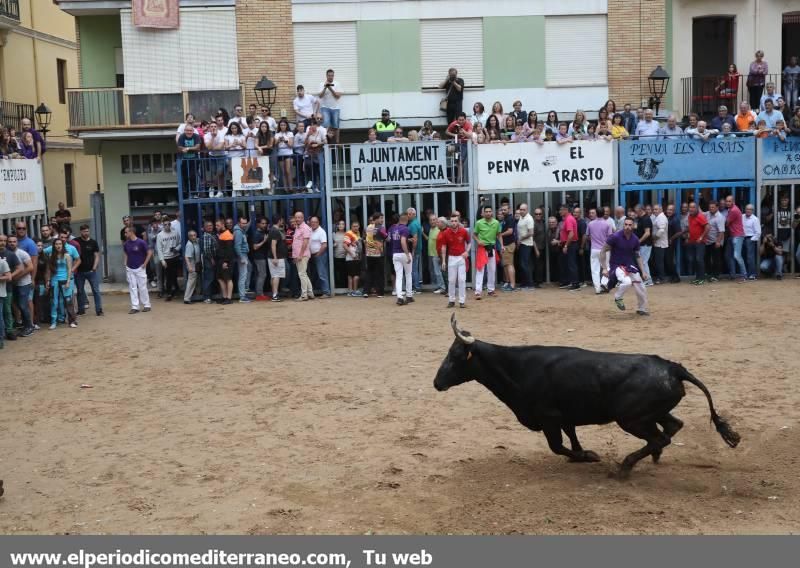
385, 111
126, 217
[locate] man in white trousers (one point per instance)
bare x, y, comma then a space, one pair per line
627, 266
137, 256
487, 236
192, 258
598, 232
455, 252
399, 236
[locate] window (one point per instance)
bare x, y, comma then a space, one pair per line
157, 163
69, 184
571, 63
314, 54
167, 163
125, 164
136, 164
443, 46
146, 166
61, 70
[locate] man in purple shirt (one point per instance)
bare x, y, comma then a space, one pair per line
626, 265
137, 256
598, 232
38, 141
401, 259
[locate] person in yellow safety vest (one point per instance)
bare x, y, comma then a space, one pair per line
385, 126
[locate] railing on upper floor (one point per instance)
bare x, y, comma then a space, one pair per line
9, 9
11, 114
112, 108
704, 95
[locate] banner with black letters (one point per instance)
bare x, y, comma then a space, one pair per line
546, 166
401, 163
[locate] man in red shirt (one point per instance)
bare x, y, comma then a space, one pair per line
698, 229
734, 237
455, 252
568, 240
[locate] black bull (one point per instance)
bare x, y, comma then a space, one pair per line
555, 389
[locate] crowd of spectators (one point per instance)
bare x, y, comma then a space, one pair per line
27, 144
43, 277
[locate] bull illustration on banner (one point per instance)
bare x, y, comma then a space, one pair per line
648, 167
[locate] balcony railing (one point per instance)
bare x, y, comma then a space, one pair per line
9, 9
704, 95
11, 114
111, 108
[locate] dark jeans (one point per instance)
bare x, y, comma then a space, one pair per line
171, 275
208, 281
94, 283
696, 252
755, 97
524, 277
555, 272
671, 261
375, 275
539, 270
23, 294
569, 273
658, 258
714, 260
750, 252
453, 110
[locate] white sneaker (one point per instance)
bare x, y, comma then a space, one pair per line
52, 326
437, 291
73, 324
394, 293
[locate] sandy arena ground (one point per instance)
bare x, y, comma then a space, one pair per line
322, 418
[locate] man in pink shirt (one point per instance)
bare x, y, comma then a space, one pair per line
300, 255
598, 232
735, 239
569, 248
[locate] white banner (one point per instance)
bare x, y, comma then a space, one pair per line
401, 163
250, 173
548, 166
21, 187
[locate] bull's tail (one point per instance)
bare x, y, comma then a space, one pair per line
728, 434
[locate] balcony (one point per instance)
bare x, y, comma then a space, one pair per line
704, 95
113, 109
11, 114
9, 13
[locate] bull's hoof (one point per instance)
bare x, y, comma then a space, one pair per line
2, 489
586, 456
656, 456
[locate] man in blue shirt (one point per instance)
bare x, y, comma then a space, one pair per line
415, 230
770, 115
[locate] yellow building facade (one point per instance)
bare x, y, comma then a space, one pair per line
38, 62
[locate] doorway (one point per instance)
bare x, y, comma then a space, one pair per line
712, 46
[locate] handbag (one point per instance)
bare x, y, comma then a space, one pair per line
443, 102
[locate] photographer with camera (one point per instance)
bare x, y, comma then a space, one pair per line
329, 94
452, 101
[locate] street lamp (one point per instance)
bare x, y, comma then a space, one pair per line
265, 92
43, 116
658, 82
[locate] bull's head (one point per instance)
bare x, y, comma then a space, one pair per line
453, 370
638, 162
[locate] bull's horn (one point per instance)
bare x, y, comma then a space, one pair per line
468, 339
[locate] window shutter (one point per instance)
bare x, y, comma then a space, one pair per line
322, 46
576, 50
443, 46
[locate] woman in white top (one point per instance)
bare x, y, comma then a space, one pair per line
478, 115
250, 134
284, 140
551, 124
235, 142
497, 110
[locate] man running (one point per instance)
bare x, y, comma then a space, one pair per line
624, 247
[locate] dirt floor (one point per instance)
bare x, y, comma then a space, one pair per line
322, 418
